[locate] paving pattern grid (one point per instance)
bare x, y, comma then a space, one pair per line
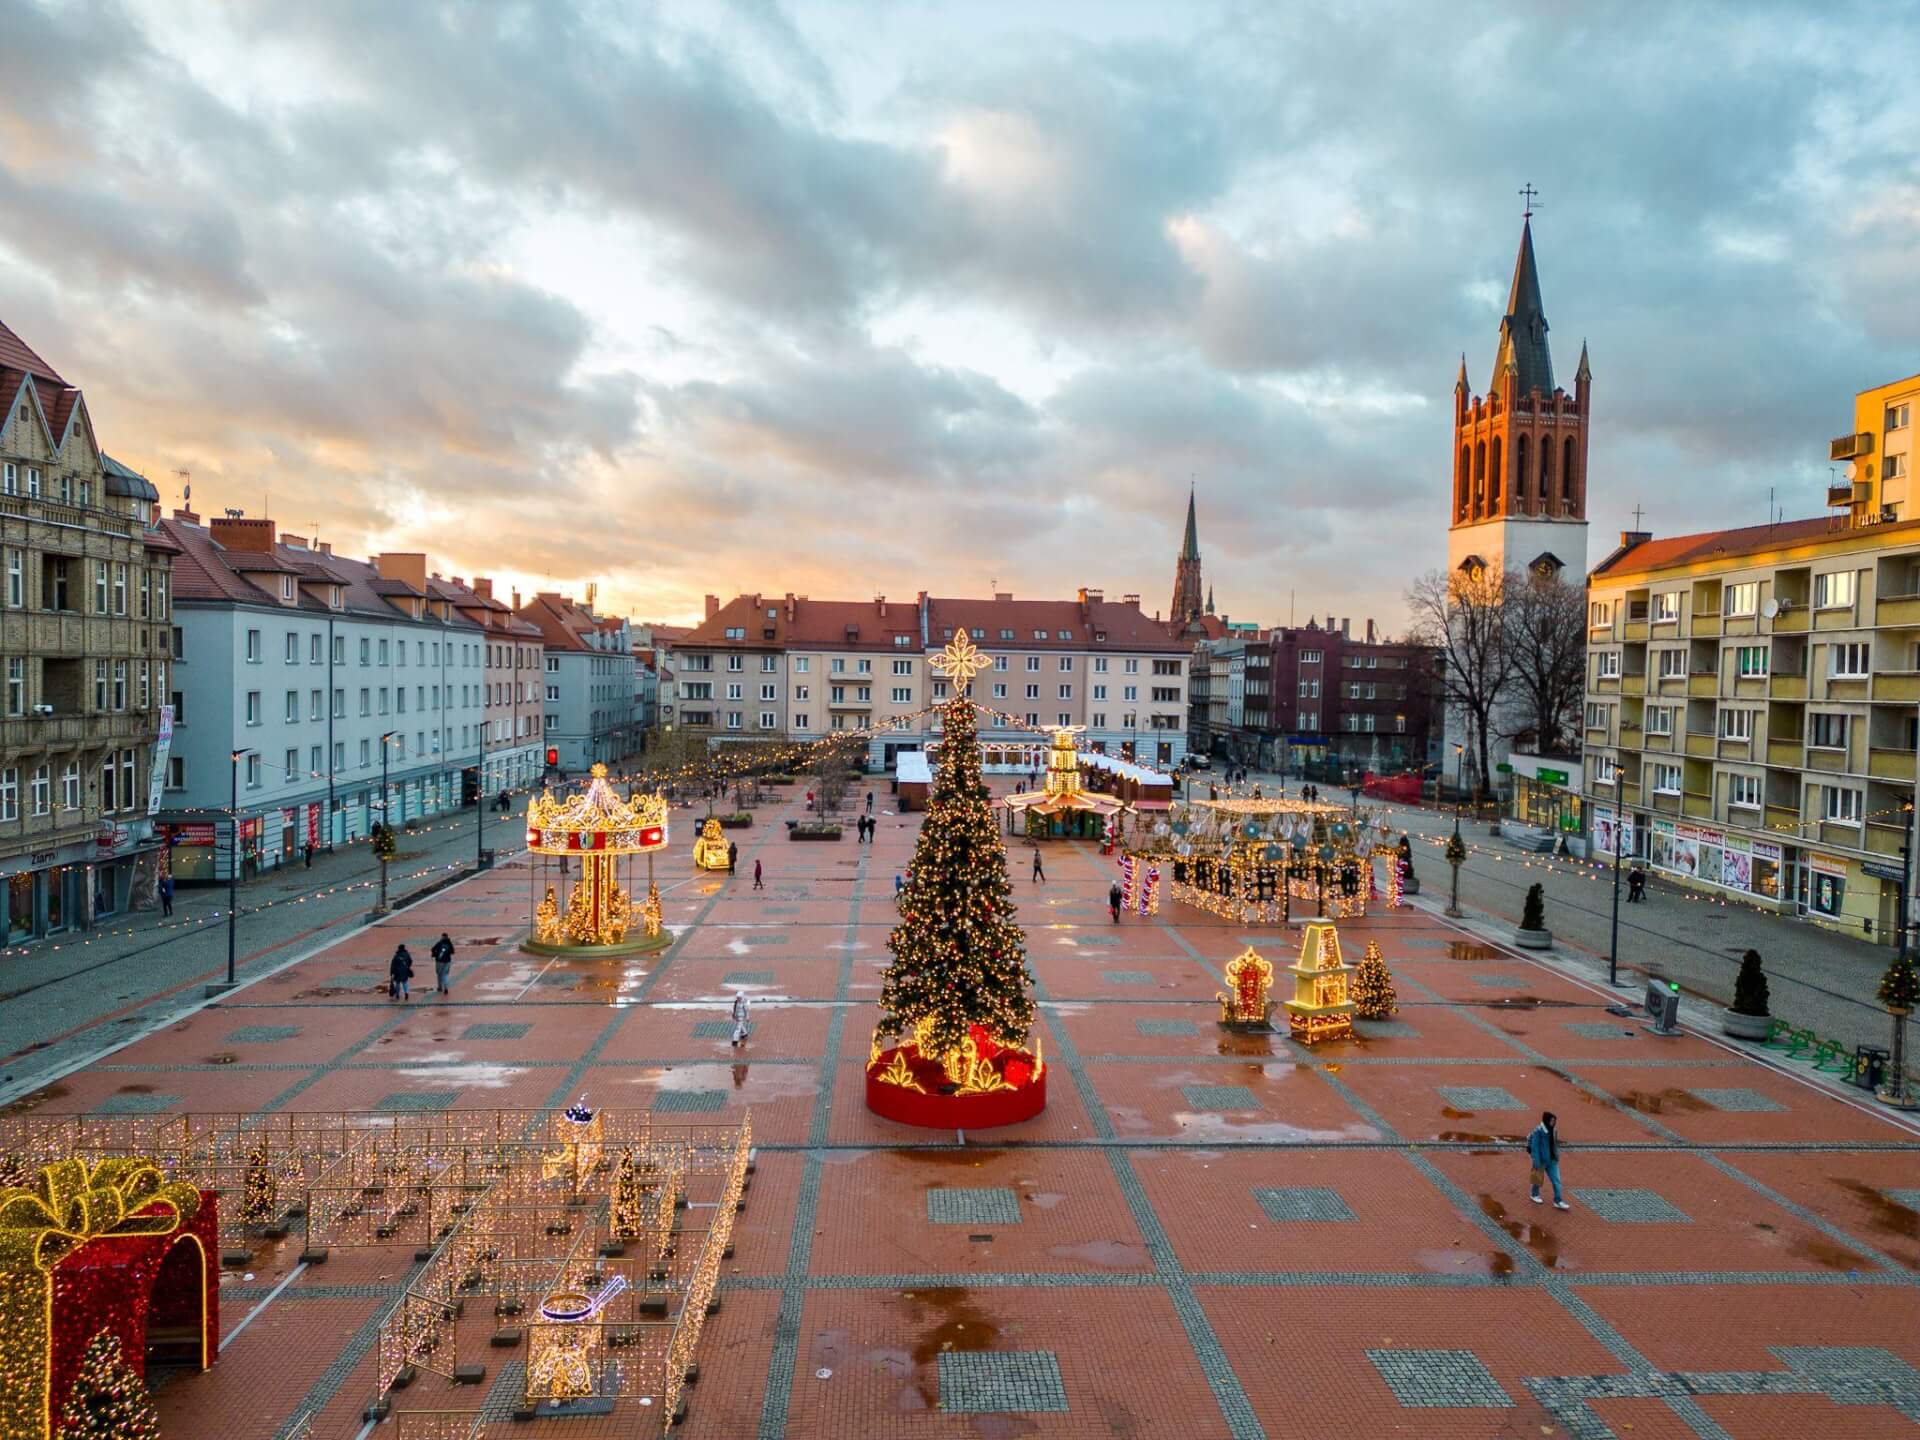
899, 1282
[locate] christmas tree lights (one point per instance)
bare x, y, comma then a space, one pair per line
1373, 995
108, 1401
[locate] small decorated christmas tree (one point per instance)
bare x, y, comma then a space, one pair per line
1900, 986
108, 1401
1533, 911
624, 1220
1373, 986
258, 1204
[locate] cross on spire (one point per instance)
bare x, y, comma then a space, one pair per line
1528, 193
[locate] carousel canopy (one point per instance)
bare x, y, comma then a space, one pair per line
597, 820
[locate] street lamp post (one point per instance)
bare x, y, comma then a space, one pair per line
386, 820
1613, 947
1456, 852
233, 862
480, 800
1459, 782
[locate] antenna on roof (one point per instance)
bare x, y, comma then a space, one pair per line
185, 477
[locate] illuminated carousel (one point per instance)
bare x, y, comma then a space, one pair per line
600, 834
1064, 807
1261, 861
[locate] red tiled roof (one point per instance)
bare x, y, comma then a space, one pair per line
1711, 545
16, 354
814, 624
1124, 626
562, 623
823, 624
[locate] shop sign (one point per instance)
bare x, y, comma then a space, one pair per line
1766, 850
1827, 865
189, 834
1880, 870
1550, 777
157, 775
112, 837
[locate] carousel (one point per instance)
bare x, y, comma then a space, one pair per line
1260, 861
584, 844
1064, 808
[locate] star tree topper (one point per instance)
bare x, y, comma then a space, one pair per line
960, 661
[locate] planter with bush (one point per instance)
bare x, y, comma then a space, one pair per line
739, 820
812, 830
1533, 933
1748, 1017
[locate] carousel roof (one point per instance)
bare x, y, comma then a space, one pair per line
1247, 805
1050, 802
596, 818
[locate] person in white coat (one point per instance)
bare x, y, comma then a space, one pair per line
739, 1018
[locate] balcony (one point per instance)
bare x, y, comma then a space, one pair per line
849, 704
33, 732
1704, 683
1838, 617
1750, 687
1827, 758
1700, 745
1732, 749
1851, 447
1847, 689
1787, 687
1706, 625
1634, 630
1596, 734
1606, 685
1634, 684
1696, 806
1789, 622
1629, 792
1630, 737
1785, 753
1659, 740
1891, 765
1900, 686
1897, 610
1783, 819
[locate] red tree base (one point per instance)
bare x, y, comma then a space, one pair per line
933, 1111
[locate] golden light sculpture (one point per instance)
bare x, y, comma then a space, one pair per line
582, 1142
710, 850
602, 831
1244, 1005
1321, 1008
961, 661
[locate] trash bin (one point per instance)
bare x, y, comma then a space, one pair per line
1869, 1066
486, 859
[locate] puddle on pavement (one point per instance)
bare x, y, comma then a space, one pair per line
1826, 1254
1670, 1101
951, 1321
1474, 1137
134, 1090
1530, 1002
35, 1099
1537, 1238
1236, 1044
1885, 1215
1464, 1262
1472, 950
956, 1156
1110, 1254
1449, 1113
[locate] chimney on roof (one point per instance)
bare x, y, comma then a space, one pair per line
483, 587
881, 602
408, 566
186, 516
326, 547
1133, 600
1343, 627
237, 532
1628, 538
516, 599
1370, 634
789, 607
298, 542
713, 606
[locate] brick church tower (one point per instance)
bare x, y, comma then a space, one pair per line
1520, 451
1187, 605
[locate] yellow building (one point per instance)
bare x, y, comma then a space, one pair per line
1751, 694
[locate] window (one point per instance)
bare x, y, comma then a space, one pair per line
1000, 662
1132, 692
1666, 605
1066, 663
1827, 730
767, 692
17, 687
290, 772
1659, 720
293, 648
1000, 692
800, 692
903, 667
903, 641
1847, 660
1666, 779
1033, 720
1033, 692
736, 662
801, 722
733, 720
1605, 770
1893, 467
1099, 692
1607, 664
9, 794
1673, 664
366, 753
253, 772
1751, 660
1736, 724
16, 579
1066, 692
1166, 694
1033, 662
120, 588
1833, 590
863, 667
1600, 614
733, 691
1743, 791
769, 664
766, 719
253, 707
253, 647
1841, 805
293, 707
1599, 717
366, 701
43, 790
1897, 417
1166, 667
902, 695
1309, 657
736, 632
99, 587
313, 648
70, 788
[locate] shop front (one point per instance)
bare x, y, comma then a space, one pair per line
1720, 859
75, 886
1545, 799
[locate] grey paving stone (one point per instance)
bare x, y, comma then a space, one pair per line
1085, 939
1396, 1029
1490, 981
1478, 1097
1631, 1207
747, 977
1165, 1029
1304, 1202
1908, 1198
1439, 1380
1001, 1382
557, 980
1855, 1375
988, 1205
1220, 1098
1127, 977
765, 937
1738, 1100
713, 1030
408, 1100
701, 1101
262, 1034
135, 1104
495, 1030
1600, 1030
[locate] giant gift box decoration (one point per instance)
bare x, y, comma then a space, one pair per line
99, 1245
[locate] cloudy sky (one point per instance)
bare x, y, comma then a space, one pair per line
846, 298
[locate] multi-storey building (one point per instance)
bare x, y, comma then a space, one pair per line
513, 694
301, 679
85, 590
1346, 703
587, 685
1751, 694
797, 668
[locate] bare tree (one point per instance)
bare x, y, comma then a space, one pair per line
1546, 634
1463, 615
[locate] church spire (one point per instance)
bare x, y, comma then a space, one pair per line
1190, 550
1187, 605
1523, 330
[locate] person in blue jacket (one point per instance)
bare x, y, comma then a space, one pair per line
1543, 1150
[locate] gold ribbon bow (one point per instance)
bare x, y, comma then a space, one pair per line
74, 1201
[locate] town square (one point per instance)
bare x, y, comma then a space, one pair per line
756, 720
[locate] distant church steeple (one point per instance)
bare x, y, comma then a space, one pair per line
1187, 604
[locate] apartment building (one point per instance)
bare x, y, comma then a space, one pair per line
588, 685
513, 698
302, 679
1751, 694
85, 608
1350, 703
791, 667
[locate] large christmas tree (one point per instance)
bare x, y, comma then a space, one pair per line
959, 957
108, 1401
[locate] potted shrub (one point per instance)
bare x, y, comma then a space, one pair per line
1533, 933
1748, 1017
739, 820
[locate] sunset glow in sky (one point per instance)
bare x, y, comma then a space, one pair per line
851, 298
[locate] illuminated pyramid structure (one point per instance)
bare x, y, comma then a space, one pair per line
1321, 1008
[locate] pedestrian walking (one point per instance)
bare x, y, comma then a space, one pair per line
399, 974
442, 953
740, 1010
733, 855
1543, 1151
899, 882
166, 896
869, 802
756, 876
309, 855
1113, 901
1039, 872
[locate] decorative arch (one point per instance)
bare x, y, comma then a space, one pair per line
177, 1305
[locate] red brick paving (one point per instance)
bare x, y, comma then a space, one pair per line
1457, 1262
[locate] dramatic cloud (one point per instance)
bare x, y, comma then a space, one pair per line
843, 298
